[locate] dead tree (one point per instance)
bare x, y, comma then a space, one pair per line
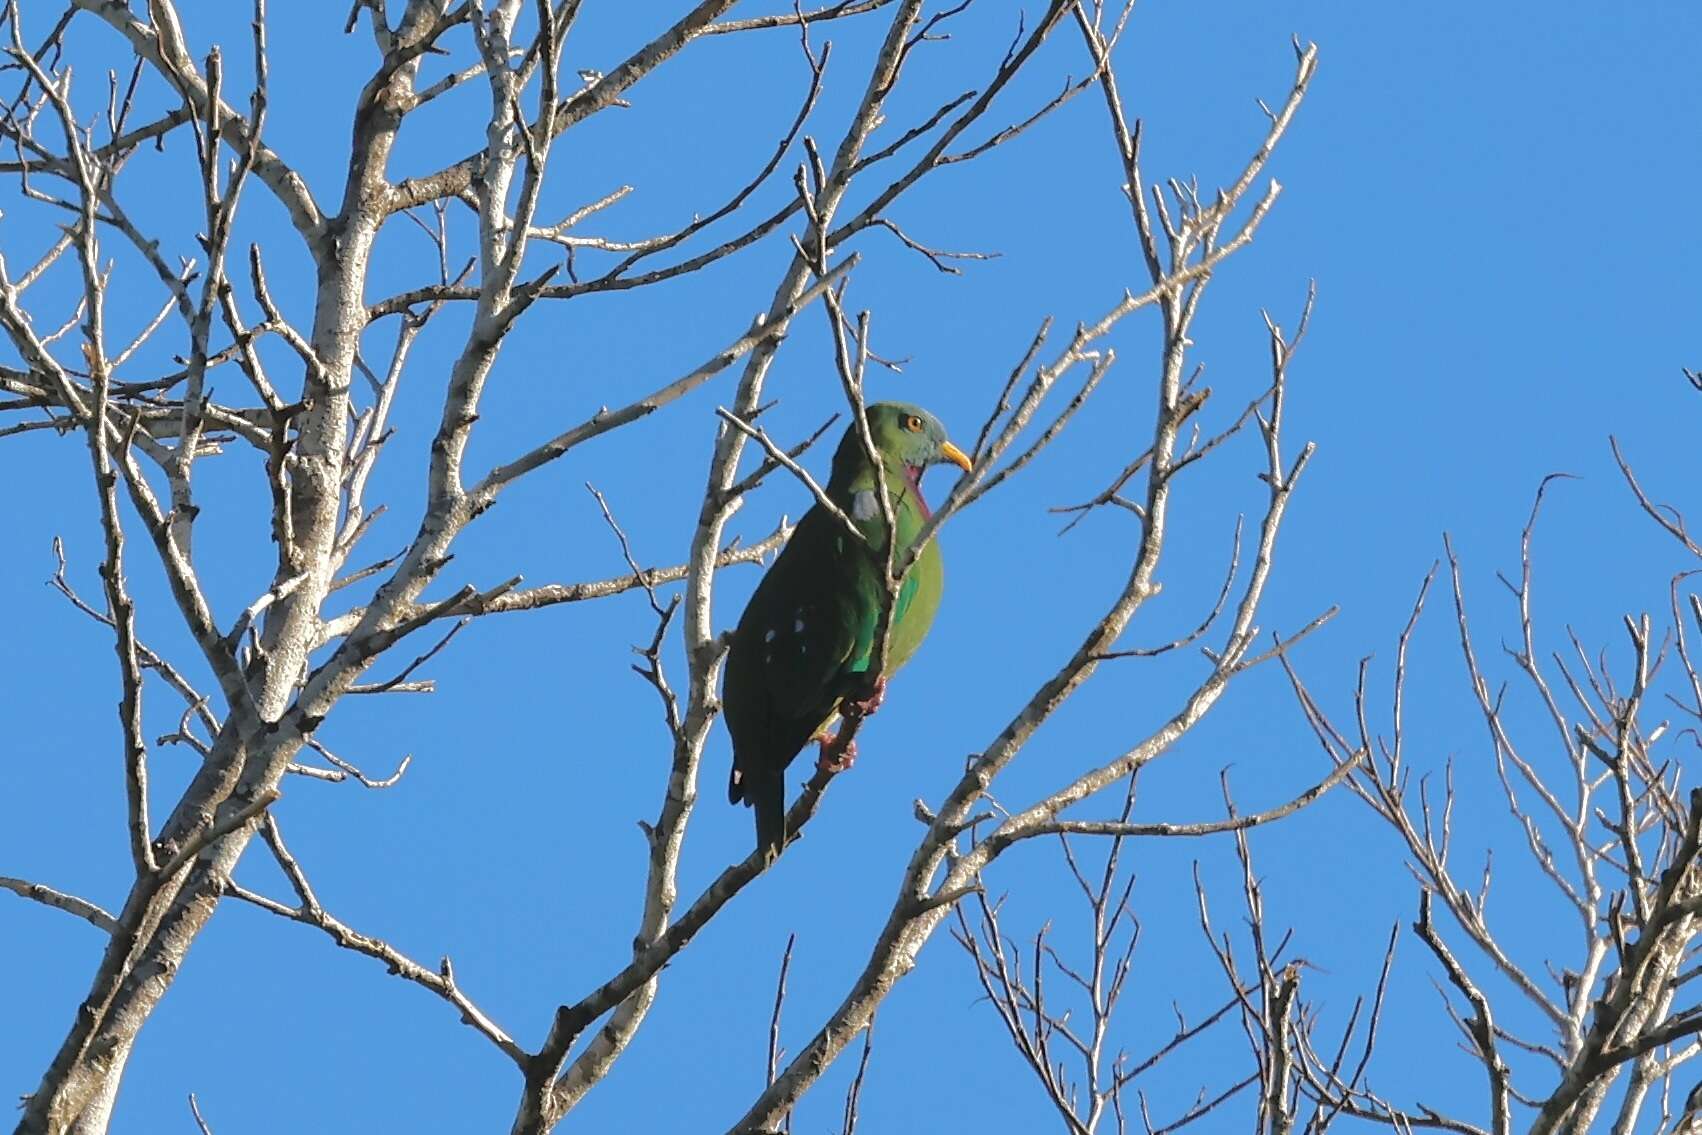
312, 400
1593, 787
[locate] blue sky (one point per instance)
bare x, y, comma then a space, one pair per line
1494, 201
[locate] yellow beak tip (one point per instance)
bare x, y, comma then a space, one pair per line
957, 457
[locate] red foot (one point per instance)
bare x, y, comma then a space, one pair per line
825, 763
866, 707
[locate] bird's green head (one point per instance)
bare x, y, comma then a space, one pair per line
908, 438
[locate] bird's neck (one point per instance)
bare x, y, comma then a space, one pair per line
913, 479
903, 481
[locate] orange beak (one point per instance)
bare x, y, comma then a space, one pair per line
956, 456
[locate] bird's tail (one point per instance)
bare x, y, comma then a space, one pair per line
768, 800
766, 796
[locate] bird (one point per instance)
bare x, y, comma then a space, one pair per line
805, 644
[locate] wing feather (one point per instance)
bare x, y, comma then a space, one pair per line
789, 653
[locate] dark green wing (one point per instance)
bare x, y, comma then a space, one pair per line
786, 666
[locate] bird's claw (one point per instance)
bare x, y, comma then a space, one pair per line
866, 706
827, 762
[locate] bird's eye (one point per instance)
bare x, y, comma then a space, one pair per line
913, 424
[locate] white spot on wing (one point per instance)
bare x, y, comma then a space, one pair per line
769, 637
863, 505
798, 626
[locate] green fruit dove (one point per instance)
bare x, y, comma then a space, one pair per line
806, 641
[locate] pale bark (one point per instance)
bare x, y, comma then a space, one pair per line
282, 666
